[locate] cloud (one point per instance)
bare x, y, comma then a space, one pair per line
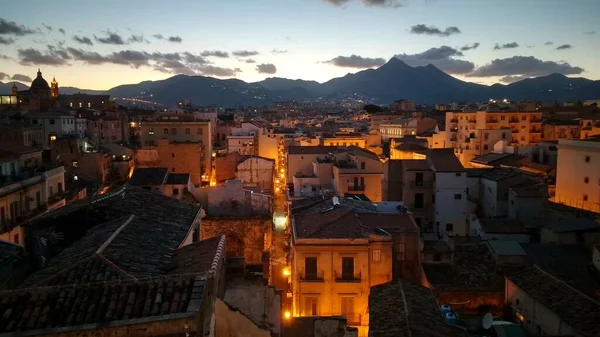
250, 61
279, 51
4, 76
62, 31
432, 30
245, 53
111, 38
356, 61
512, 79
175, 39
83, 40
137, 38
4, 57
12, 28
506, 46
442, 57
590, 32
215, 53
6, 40
469, 47
21, 78
158, 36
548, 43
218, 71
194, 59
527, 66
369, 3
564, 46
49, 28
266, 68
35, 57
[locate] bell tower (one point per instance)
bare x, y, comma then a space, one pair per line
54, 88
15, 90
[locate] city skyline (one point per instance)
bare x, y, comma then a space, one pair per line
311, 40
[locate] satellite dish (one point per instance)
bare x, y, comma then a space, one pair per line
336, 201
487, 321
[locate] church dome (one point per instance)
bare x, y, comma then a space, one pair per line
39, 83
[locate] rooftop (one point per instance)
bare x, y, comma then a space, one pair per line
416, 165
506, 247
443, 160
149, 176
473, 269
497, 159
312, 149
403, 309
573, 225
178, 179
502, 226
578, 311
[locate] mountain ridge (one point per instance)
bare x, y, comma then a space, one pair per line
393, 80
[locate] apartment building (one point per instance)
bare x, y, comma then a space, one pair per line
359, 172
556, 129
104, 130
182, 131
589, 127
53, 124
476, 133
22, 134
341, 248
27, 189
577, 173
398, 128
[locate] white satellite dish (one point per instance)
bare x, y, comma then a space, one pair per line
336, 201
487, 321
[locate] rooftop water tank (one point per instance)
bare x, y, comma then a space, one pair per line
445, 309
451, 318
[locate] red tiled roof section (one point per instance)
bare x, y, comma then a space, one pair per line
55, 307
337, 223
197, 257
388, 222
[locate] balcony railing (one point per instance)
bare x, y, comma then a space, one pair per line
421, 183
513, 120
311, 277
473, 121
535, 130
347, 277
454, 120
356, 188
454, 129
536, 120
492, 120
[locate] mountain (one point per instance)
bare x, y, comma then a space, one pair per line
6, 88
393, 80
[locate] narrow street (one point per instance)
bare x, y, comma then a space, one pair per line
280, 270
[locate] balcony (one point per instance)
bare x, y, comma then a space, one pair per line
347, 277
492, 120
472, 121
513, 120
356, 188
311, 277
536, 120
535, 130
420, 184
454, 120
454, 129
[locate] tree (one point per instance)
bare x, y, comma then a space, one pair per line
372, 108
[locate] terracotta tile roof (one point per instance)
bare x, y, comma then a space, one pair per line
443, 160
473, 269
402, 309
149, 176
40, 311
197, 257
337, 223
578, 311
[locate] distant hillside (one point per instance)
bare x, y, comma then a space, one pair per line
394, 80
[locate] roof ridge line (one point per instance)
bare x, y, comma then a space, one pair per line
565, 283
114, 235
409, 330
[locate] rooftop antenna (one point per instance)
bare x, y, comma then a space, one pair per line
487, 321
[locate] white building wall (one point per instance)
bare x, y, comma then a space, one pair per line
451, 202
257, 172
578, 160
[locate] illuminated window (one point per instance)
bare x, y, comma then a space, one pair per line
71, 104
80, 104
376, 255
586, 180
89, 105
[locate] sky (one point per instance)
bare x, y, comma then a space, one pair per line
99, 45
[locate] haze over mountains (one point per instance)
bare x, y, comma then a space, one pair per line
394, 80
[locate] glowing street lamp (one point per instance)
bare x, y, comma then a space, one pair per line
287, 315
286, 271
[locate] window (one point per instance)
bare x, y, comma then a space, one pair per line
165, 131
60, 187
51, 122
485, 147
347, 268
400, 251
587, 159
433, 198
419, 179
362, 165
348, 308
34, 121
585, 197
172, 169
486, 136
503, 135
419, 200
310, 268
502, 118
175, 191
524, 118
16, 239
151, 131
89, 105
586, 180
457, 196
80, 104
449, 227
376, 255
437, 257
187, 131
459, 174
173, 131
38, 199
199, 131
311, 306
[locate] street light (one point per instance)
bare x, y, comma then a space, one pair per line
287, 315
286, 271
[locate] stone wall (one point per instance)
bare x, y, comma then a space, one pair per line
318, 327
257, 300
473, 303
232, 323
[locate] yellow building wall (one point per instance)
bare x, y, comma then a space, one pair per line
373, 185
341, 141
329, 292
